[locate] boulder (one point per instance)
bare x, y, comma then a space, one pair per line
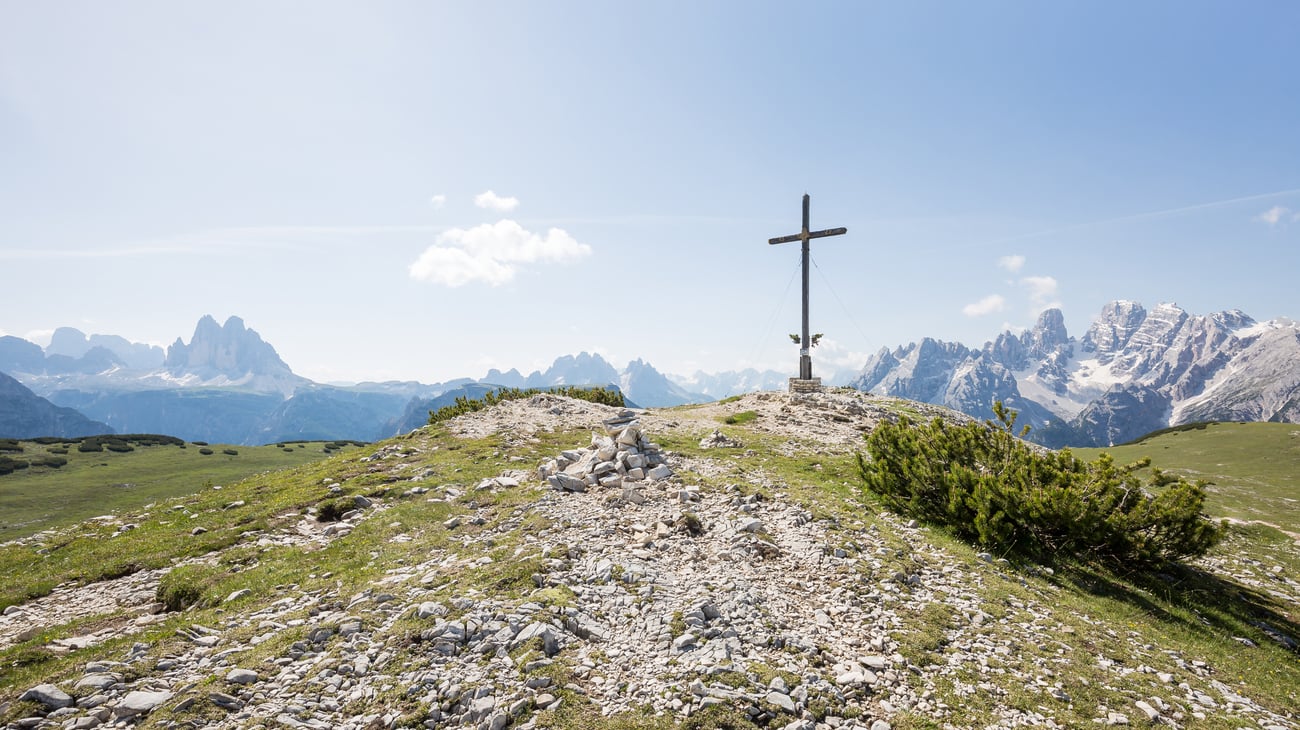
48, 695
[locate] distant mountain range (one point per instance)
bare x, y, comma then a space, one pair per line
1133, 371
227, 385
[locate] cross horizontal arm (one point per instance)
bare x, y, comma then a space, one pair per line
828, 232
785, 239
802, 236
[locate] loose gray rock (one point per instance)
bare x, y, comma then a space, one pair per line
49, 695
241, 676
140, 703
782, 700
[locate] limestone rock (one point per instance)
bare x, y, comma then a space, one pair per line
49, 695
140, 702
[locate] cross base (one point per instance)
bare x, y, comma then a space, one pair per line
802, 385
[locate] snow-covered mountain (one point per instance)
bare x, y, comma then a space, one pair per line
1133, 371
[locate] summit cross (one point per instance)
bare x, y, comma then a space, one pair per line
804, 236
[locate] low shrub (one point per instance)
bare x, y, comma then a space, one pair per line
992, 489
332, 510
206, 451
89, 446
9, 466
10, 445
230, 452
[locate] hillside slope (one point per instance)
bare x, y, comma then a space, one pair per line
23, 414
751, 587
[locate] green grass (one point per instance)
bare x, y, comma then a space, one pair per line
1253, 468
740, 418
96, 483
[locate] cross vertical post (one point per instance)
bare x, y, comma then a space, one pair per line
805, 339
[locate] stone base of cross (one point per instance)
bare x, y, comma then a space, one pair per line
809, 385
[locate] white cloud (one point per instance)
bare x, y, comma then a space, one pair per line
1273, 215
833, 355
1042, 292
492, 253
492, 201
1011, 263
438, 201
987, 305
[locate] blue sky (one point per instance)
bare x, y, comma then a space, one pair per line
425, 190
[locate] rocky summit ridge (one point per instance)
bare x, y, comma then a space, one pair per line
737, 581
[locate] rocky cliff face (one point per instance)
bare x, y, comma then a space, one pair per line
1132, 372
231, 354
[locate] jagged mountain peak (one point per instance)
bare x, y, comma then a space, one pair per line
1134, 368
1111, 330
230, 354
1233, 319
1048, 334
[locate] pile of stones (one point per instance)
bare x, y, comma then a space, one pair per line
620, 456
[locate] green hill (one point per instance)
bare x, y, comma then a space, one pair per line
434, 580
1253, 468
57, 482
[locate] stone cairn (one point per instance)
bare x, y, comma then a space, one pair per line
619, 458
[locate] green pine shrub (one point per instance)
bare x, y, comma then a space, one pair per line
8, 465
991, 489
205, 451
230, 452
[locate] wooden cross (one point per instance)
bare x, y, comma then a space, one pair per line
804, 236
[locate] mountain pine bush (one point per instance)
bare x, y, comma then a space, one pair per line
992, 489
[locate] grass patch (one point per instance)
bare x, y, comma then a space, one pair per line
1253, 468
741, 418
83, 484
